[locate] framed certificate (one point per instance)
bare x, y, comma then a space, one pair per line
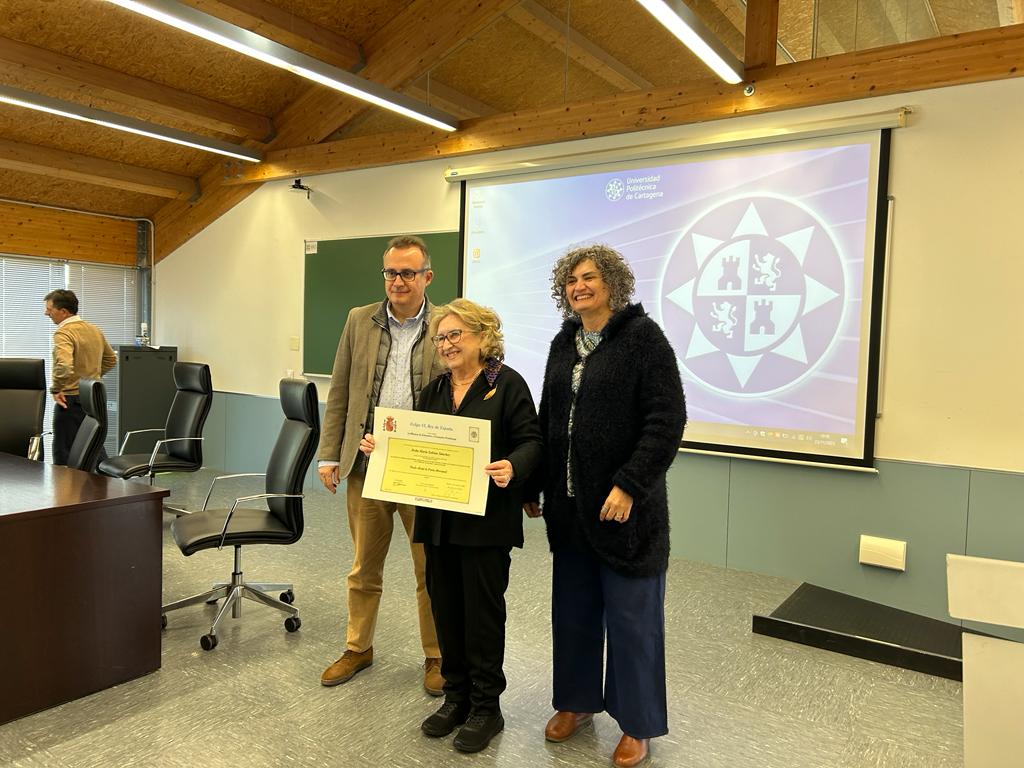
430, 459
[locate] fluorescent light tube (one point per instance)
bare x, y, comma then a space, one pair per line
74, 111
255, 46
685, 25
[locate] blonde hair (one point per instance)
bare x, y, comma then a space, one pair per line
475, 317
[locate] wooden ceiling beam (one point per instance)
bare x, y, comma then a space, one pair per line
450, 100
538, 21
417, 39
954, 60
47, 69
286, 28
761, 38
58, 164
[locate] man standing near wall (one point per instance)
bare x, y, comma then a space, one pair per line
384, 358
79, 350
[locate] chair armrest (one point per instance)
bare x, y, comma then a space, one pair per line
224, 530
124, 442
156, 448
225, 477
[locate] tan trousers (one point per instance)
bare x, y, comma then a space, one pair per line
371, 523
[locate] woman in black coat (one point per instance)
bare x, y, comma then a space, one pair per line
467, 556
612, 414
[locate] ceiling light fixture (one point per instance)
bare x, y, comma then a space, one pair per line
250, 44
61, 108
685, 25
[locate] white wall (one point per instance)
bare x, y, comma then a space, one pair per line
232, 296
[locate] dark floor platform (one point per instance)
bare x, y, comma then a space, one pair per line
842, 623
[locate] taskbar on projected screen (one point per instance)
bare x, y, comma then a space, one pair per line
774, 440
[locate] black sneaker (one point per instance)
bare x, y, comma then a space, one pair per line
478, 731
446, 719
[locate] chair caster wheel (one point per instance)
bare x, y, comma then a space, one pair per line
292, 623
163, 621
208, 642
287, 597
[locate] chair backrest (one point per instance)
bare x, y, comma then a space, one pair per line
85, 451
22, 402
294, 450
189, 409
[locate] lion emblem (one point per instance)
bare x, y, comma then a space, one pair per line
767, 269
724, 315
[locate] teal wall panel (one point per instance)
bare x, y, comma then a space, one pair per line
996, 527
215, 432
997, 516
253, 425
793, 521
805, 523
698, 498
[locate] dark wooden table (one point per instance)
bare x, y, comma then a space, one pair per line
80, 565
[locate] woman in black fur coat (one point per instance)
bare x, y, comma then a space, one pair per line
612, 414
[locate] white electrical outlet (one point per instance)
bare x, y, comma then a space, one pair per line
885, 553
293, 343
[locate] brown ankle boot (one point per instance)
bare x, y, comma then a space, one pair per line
433, 682
344, 668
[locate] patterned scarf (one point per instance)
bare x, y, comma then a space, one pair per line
586, 343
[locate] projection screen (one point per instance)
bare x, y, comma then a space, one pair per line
763, 265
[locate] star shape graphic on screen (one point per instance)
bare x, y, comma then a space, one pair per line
752, 295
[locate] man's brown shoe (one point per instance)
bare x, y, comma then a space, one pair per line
563, 725
432, 679
344, 668
631, 752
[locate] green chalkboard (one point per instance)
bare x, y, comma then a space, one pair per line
343, 274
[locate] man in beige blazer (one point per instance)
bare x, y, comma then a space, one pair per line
79, 351
384, 358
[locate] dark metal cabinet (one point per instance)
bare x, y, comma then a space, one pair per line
145, 389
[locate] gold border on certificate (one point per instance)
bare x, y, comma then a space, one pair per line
429, 459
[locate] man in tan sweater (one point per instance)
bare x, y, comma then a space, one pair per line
79, 350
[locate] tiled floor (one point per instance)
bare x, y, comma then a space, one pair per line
735, 699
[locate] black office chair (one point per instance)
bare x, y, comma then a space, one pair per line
22, 404
280, 523
181, 449
88, 445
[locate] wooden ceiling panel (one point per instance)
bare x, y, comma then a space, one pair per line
796, 27
31, 127
630, 34
355, 19
375, 121
105, 34
30, 188
955, 16
508, 68
503, 67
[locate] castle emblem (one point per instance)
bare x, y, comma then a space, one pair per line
753, 295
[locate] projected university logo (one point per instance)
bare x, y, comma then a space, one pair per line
613, 190
752, 295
